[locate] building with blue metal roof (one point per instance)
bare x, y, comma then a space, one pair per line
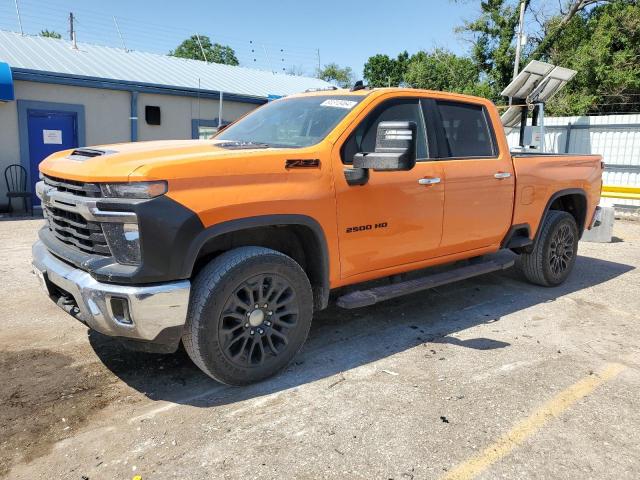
56, 95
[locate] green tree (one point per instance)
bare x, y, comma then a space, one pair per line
493, 34
194, 46
554, 28
384, 71
50, 34
342, 77
603, 46
445, 71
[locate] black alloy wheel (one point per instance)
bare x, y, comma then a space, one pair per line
249, 314
256, 320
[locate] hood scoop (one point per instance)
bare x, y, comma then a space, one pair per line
82, 154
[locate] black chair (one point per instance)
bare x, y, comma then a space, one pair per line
16, 178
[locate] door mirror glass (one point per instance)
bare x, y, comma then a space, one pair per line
395, 148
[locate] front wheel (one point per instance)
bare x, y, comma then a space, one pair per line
555, 251
249, 314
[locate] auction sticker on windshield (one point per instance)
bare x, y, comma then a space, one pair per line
348, 104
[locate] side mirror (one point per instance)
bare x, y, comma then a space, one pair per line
395, 148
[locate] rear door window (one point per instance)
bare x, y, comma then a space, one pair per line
467, 132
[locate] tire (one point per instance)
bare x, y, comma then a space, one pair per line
230, 339
554, 253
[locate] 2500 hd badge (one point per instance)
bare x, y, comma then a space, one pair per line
362, 228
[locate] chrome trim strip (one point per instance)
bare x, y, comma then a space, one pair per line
85, 187
84, 206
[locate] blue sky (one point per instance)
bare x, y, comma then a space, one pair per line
268, 35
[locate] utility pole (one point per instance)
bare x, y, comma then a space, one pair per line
201, 48
72, 31
516, 66
19, 17
266, 54
318, 53
124, 46
220, 111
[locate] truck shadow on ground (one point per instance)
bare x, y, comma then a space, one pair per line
341, 340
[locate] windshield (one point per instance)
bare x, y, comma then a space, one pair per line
292, 122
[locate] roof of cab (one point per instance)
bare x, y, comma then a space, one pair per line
331, 91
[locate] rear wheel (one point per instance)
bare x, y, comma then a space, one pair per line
249, 314
554, 253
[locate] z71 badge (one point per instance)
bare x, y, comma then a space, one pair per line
362, 228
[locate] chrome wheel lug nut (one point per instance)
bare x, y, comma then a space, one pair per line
267, 323
265, 306
270, 312
256, 305
246, 325
260, 331
251, 332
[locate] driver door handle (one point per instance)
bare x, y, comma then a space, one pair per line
429, 180
501, 175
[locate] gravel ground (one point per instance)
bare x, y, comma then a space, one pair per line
486, 378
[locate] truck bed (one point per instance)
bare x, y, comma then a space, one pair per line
541, 177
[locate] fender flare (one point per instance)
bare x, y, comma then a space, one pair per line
236, 225
553, 198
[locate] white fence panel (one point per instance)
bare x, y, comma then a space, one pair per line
615, 137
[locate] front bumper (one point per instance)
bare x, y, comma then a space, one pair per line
152, 313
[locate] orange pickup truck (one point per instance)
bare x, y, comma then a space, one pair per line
228, 245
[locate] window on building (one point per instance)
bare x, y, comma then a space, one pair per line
204, 133
152, 115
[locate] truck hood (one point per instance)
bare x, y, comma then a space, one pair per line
121, 162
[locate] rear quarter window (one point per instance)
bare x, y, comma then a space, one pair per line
467, 131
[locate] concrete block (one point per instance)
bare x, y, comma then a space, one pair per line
603, 232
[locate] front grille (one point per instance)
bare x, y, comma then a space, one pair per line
70, 227
81, 189
74, 230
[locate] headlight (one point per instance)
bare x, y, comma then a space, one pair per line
134, 189
124, 242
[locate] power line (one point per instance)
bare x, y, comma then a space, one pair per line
93, 27
99, 17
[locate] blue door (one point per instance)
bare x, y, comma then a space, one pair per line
49, 132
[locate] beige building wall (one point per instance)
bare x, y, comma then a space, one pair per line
9, 141
106, 112
177, 112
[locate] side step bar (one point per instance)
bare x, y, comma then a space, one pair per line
365, 298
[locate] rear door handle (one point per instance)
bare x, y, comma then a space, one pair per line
429, 181
501, 175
